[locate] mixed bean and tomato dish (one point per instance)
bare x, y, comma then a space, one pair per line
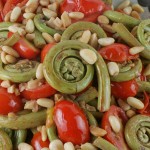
74, 75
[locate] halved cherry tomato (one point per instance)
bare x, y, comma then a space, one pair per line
45, 90
1, 11
37, 142
125, 89
25, 48
4, 1
117, 52
116, 139
45, 50
146, 109
9, 5
71, 123
88, 7
9, 102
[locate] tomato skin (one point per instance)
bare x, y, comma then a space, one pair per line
45, 50
146, 109
125, 89
45, 90
1, 11
25, 48
37, 142
116, 139
9, 102
88, 7
9, 5
117, 52
67, 116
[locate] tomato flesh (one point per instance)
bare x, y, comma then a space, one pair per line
45, 90
9, 102
125, 89
116, 139
88, 7
25, 48
71, 123
45, 50
117, 52
37, 142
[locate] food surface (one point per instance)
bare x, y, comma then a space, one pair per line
74, 75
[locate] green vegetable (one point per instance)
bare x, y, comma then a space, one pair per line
130, 74
42, 27
5, 25
5, 141
108, 2
91, 118
125, 34
12, 40
51, 132
121, 18
88, 95
129, 38
104, 144
39, 41
142, 32
75, 30
144, 86
8, 131
26, 121
22, 71
3, 36
65, 70
137, 132
19, 137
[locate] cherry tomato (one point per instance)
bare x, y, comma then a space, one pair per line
71, 123
25, 48
45, 50
1, 11
88, 7
146, 109
9, 5
125, 89
116, 139
117, 52
45, 90
9, 102
37, 142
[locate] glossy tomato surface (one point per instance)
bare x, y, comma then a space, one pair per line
71, 123
45, 50
25, 48
37, 142
88, 7
45, 90
9, 102
116, 52
125, 89
116, 139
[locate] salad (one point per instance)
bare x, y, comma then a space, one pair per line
74, 75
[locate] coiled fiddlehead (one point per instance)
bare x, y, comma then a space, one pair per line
137, 132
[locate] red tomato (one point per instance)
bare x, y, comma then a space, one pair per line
88, 7
4, 1
9, 5
25, 48
125, 89
116, 52
116, 139
45, 50
45, 90
146, 109
9, 102
71, 123
37, 142
1, 11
